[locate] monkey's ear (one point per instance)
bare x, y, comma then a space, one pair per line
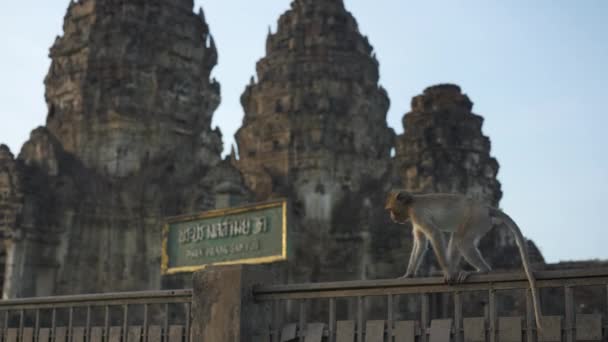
404, 197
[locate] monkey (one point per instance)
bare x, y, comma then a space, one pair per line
467, 221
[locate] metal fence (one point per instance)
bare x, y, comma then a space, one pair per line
574, 322
575, 303
151, 316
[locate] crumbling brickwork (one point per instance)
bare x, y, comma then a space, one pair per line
127, 142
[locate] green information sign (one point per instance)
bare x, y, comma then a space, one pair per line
250, 234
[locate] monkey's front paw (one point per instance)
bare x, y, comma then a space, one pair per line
456, 277
462, 276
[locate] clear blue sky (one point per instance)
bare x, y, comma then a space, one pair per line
536, 70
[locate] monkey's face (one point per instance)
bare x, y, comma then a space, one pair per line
397, 210
398, 217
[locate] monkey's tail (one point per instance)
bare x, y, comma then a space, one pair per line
523, 250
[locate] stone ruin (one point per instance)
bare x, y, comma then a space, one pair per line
315, 131
128, 142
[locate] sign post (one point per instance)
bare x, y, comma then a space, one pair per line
251, 234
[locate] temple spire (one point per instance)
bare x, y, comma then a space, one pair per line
201, 14
315, 128
128, 141
124, 128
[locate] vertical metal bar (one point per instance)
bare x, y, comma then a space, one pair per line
166, 324
529, 316
360, 319
6, 314
146, 323
37, 325
424, 319
275, 329
389, 318
21, 319
188, 322
88, 324
302, 320
492, 314
106, 330
332, 319
125, 321
445, 304
70, 322
457, 316
53, 323
569, 303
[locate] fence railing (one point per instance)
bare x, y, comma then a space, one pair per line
151, 316
569, 325
574, 303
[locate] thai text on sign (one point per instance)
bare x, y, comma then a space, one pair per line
249, 234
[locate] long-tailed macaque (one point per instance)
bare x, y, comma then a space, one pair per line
466, 220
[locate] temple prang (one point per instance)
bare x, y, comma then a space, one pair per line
315, 131
127, 143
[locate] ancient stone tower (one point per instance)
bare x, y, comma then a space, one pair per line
127, 142
127, 76
315, 131
443, 149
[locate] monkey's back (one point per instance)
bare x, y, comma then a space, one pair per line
446, 212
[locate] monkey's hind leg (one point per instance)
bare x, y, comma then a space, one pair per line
453, 259
473, 256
